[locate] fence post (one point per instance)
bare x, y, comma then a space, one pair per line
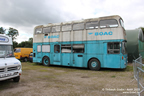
138, 81
138, 72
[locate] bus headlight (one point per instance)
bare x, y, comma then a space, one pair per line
18, 67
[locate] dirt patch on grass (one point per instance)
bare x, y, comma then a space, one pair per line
38, 80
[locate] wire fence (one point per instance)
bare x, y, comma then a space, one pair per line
138, 68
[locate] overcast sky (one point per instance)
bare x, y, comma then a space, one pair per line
24, 15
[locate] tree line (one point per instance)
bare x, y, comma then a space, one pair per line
142, 29
24, 44
11, 32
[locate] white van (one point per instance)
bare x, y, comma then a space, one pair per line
10, 67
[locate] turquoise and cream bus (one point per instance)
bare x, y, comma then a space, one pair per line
90, 43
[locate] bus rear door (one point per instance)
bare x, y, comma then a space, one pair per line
78, 55
57, 55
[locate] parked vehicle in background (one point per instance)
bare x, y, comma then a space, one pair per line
22, 53
135, 44
31, 57
10, 67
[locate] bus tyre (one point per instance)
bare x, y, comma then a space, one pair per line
16, 79
46, 61
94, 64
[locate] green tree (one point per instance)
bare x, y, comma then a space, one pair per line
15, 44
31, 39
13, 33
142, 29
2, 30
30, 42
26, 44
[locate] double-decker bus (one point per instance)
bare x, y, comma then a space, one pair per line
90, 43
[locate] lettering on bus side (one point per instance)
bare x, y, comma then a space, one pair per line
52, 36
102, 33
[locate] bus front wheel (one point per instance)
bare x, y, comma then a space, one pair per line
94, 64
46, 61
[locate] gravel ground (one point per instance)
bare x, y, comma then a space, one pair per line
38, 80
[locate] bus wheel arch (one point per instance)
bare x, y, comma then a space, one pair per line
94, 64
46, 61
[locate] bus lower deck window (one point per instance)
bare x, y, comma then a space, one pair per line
78, 48
38, 48
113, 48
66, 48
57, 48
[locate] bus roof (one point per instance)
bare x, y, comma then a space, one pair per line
80, 21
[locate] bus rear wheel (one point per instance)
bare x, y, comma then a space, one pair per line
46, 61
94, 64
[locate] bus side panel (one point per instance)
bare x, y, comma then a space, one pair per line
38, 55
66, 59
95, 50
51, 53
51, 58
45, 50
111, 60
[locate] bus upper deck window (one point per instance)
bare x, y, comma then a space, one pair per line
108, 23
78, 26
67, 27
47, 30
38, 30
122, 23
92, 25
56, 29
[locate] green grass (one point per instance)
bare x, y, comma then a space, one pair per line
113, 76
36, 66
129, 68
31, 66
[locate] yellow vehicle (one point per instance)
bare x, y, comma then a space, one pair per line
22, 53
